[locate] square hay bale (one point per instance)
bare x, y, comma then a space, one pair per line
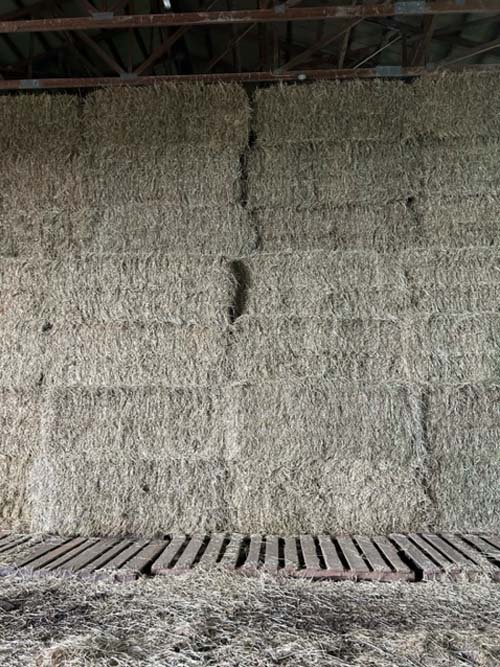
463, 427
453, 281
135, 354
19, 442
138, 228
459, 221
182, 176
39, 136
43, 232
312, 175
142, 287
326, 284
143, 460
459, 167
333, 111
24, 288
215, 115
382, 228
322, 456
369, 350
458, 105
22, 353
453, 349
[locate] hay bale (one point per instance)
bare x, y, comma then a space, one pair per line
120, 461
459, 221
39, 135
461, 167
134, 354
22, 353
326, 284
322, 456
453, 349
458, 105
215, 115
19, 442
333, 111
338, 349
453, 281
382, 228
331, 174
463, 426
24, 289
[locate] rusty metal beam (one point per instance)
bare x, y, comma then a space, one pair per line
304, 75
274, 14
423, 44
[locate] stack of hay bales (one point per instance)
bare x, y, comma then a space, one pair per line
368, 322
117, 298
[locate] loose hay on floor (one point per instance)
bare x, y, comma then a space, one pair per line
19, 443
322, 456
119, 461
463, 425
331, 174
234, 621
384, 228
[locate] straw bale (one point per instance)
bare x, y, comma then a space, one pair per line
135, 354
22, 353
325, 284
218, 618
333, 111
463, 428
317, 455
368, 350
331, 174
19, 442
383, 228
24, 288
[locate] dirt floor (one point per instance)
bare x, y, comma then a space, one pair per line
232, 621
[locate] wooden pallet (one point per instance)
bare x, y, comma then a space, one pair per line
396, 557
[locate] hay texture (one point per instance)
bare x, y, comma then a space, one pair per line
222, 619
307, 175
318, 455
19, 443
39, 137
124, 460
463, 426
383, 228
331, 111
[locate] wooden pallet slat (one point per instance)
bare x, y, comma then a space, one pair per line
357, 564
63, 558
334, 566
211, 554
120, 559
427, 567
310, 555
43, 561
449, 551
87, 556
188, 556
163, 562
40, 549
252, 559
472, 554
379, 568
291, 555
401, 570
13, 542
107, 557
232, 552
271, 554
140, 562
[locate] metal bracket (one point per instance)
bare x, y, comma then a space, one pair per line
102, 16
410, 7
389, 70
29, 84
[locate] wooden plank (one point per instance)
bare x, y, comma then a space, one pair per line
271, 554
120, 559
291, 556
252, 559
163, 564
334, 566
189, 554
380, 569
311, 560
427, 568
103, 560
449, 551
351, 554
13, 542
86, 557
139, 563
488, 550
401, 570
212, 552
40, 549
232, 552
446, 566
492, 539
63, 558
472, 554
45, 559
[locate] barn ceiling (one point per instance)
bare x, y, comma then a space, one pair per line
77, 43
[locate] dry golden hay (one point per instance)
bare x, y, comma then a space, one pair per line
305, 176
384, 228
319, 455
463, 427
333, 111
19, 443
135, 354
218, 618
131, 460
215, 115
118, 287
